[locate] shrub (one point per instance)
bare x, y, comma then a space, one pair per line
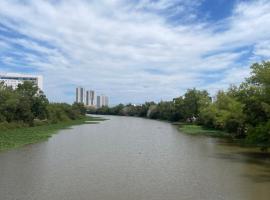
12, 125
259, 135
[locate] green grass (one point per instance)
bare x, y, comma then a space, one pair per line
192, 129
95, 119
18, 137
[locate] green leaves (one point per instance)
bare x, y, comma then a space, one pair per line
28, 104
259, 135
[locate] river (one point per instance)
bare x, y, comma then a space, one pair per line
126, 158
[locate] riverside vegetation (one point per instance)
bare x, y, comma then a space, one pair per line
26, 116
241, 112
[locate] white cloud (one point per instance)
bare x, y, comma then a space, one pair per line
262, 49
111, 45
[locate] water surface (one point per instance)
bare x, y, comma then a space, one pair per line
128, 158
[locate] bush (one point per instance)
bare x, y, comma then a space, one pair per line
12, 125
259, 135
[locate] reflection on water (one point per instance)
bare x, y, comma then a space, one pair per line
258, 162
131, 158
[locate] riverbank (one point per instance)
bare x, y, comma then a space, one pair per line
18, 137
193, 129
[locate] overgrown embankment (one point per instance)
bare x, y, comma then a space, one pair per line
27, 116
16, 137
193, 129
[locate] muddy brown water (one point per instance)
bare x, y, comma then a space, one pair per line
128, 158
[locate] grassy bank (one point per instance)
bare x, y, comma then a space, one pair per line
192, 129
27, 135
200, 130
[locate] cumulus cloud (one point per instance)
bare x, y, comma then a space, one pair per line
129, 50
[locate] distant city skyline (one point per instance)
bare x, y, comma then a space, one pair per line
133, 51
89, 98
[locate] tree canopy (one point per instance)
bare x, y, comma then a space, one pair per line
28, 105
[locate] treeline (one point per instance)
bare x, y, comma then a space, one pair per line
243, 111
28, 106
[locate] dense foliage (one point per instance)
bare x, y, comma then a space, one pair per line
28, 106
243, 111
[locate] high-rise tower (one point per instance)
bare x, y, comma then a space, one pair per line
90, 98
80, 95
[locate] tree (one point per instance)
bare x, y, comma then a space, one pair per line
33, 102
27, 89
39, 106
79, 107
190, 104
226, 113
258, 104
260, 135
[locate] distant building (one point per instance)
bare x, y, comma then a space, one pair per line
102, 101
99, 102
90, 98
80, 95
213, 99
106, 103
14, 79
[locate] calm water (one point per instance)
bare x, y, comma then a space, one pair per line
128, 158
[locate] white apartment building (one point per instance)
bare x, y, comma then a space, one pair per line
106, 101
102, 101
14, 79
90, 98
98, 102
80, 95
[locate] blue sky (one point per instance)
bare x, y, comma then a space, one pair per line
133, 50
